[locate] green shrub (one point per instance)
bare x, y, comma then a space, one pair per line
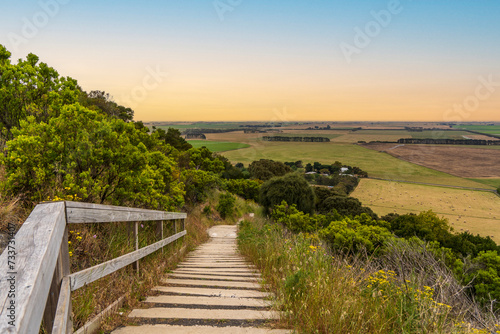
248, 189
226, 205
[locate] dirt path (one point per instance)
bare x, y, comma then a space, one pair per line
213, 291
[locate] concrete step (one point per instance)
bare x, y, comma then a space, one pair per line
172, 329
200, 282
231, 293
190, 313
209, 301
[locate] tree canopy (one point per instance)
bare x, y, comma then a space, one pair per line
291, 188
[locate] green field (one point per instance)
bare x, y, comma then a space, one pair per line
217, 146
377, 164
487, 129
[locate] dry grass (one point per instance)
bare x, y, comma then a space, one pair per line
320, 293
473, 211
11, 212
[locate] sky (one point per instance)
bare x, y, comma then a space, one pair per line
272, 60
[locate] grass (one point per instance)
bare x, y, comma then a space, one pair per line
488, 129
377, 164
320, 292
394, 135
466, 210
493, 182
217, 146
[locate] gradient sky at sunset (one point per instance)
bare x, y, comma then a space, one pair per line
265, 60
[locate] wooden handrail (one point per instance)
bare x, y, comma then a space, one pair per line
35, 278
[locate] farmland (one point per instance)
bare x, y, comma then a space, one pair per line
473, 211
377, 164
488, 129
217, 146
457, 160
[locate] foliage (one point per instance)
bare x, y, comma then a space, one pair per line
346, 206
349, 235
485, 277
467, 244
84, 153
226, 205
291, 188
201, 159
297, 221
248, 189
265, 169
197, 183
102, 101
426, 225
173, 138
31, 88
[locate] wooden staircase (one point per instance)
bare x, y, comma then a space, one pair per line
213, 291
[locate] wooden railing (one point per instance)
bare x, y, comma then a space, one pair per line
36, 282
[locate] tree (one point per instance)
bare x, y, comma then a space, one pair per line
265, 169
85, 154
346, 206
426, 226
174, 138
102, 101
248, 189
291, 188
31, 88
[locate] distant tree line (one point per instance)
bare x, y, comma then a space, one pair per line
271, 125
299, 139
196, 136
448, 141
197, 131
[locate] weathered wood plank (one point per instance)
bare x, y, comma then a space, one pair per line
62, 319
89, 275
93, 325
95, 213
136, 245
37, 244
62, 269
